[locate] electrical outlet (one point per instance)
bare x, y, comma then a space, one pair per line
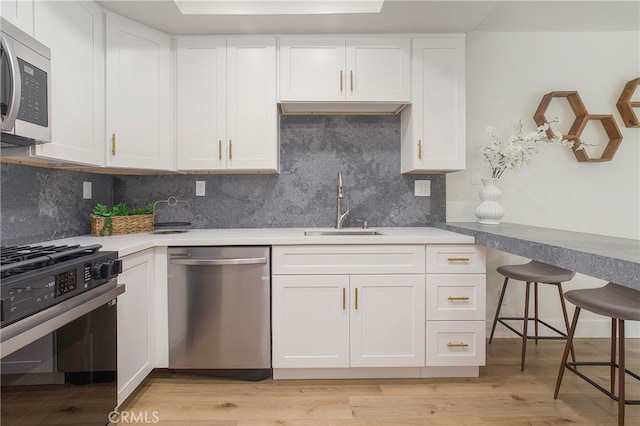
422, 188
86, 190
200, 191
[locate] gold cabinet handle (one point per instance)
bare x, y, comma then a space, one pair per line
419, 149
344, 298
340, 81
113, 144
351, 79
454, 298
219, 149
457, 345
356, 298
230, 150
457, 259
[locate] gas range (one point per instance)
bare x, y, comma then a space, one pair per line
34, 278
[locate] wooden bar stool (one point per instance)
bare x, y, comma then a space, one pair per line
620, 304
532, 272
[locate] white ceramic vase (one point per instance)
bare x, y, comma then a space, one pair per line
489, 211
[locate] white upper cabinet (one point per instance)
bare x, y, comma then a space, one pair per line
378, 69
201, 104
433, 127
74, 32
19, 13
338, 69
226, 104
139, 102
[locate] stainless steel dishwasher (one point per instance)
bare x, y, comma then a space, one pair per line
220, 310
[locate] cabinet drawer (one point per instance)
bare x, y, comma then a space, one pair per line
446, 259
455, 343
456, 297
348, 259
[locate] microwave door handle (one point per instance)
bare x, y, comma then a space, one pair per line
16, 92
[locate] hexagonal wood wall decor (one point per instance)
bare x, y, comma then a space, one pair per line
626, 105
575, 103
582, 117
611, 129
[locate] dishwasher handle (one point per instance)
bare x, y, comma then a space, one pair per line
217, 262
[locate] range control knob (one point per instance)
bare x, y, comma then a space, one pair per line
100, 271
116, 267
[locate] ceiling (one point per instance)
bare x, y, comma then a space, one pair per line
398, 16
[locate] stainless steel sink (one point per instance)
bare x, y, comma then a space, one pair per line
337, 232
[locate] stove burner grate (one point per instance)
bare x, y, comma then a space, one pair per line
16, 260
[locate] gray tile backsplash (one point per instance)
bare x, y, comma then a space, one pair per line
37, 203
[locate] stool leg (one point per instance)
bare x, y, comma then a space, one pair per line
566, 317
495, 318
525, 325
621, 367
614, 333
565, 355
535, 310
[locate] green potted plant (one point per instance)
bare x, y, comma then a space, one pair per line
120, 219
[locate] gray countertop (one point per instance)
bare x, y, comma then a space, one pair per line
608, 258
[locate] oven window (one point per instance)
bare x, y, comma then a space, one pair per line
68, 375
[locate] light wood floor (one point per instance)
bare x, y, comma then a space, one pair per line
502, 395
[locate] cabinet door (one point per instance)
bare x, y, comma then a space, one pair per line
312, 69
74, 32
19, 13
434, 128
139, 101
135, 335
252, 111
378, 69
310, 319
201, 104
387, 320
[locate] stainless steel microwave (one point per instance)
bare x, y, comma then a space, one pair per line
25, 71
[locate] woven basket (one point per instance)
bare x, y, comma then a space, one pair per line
122, 225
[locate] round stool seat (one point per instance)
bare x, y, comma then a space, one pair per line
612, 300
536, 272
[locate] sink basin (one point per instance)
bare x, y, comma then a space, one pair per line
337, 232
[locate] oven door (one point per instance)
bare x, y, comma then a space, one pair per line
62, 370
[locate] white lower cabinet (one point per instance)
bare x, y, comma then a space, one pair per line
348, 321
340, 314
310, 321
136, 338
387, 327
456, 300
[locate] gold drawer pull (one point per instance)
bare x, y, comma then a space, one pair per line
219, 149
230, 150
452, 298
113, 144
419, 149
351, 79
458, 259
340, 81
457, 345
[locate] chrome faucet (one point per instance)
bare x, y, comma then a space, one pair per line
341, 216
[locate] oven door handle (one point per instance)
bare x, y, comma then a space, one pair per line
19, 334
9, 120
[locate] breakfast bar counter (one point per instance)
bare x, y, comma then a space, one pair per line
609, 258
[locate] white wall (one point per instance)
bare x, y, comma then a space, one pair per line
507, 75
